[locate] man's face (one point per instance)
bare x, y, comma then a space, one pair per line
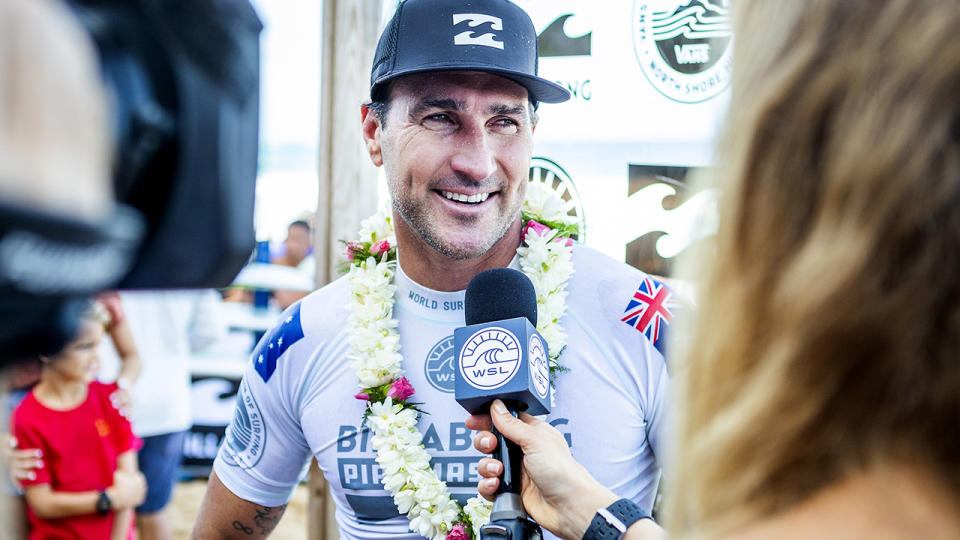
456, 149
298, 241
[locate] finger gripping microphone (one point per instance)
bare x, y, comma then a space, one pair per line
500, 354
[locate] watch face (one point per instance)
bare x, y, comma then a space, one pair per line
103, 503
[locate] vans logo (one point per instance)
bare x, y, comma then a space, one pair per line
477, 37
684, 47
692, 54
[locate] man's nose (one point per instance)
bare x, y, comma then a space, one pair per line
473, 157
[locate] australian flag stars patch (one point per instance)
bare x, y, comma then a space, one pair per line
276, 341
650, 310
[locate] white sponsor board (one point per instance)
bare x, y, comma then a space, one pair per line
650, 84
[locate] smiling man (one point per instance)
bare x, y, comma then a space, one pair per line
453, 109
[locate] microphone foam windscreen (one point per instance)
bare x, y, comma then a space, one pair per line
500, 294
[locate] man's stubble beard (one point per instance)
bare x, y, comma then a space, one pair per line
415, 216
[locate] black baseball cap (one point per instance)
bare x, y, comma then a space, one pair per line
494, 36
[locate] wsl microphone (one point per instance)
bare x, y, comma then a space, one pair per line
500, 354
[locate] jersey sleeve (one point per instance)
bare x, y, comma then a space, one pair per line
649, 307
27, 431
656, 408
264, 451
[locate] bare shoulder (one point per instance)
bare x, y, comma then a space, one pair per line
223, 515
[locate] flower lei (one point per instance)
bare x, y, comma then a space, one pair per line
545, 257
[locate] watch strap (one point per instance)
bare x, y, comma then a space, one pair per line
611, 523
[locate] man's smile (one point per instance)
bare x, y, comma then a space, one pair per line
464, 198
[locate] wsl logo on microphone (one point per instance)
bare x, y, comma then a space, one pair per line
684, 47
490, 358
539, 365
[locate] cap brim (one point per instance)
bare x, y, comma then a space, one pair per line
540, 90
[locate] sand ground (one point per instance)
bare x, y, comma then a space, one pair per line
188, 495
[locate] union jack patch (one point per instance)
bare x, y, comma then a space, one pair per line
650, 311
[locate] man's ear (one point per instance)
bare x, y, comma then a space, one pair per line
370, 129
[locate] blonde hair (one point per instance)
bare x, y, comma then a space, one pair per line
54, 137
828, 335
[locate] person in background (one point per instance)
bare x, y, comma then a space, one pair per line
88, 483
22, 463
297, 254
296, 246
168, 327
820, 392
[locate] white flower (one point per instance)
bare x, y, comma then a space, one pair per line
423, 525
403, 499
545, 203
478, 510
378, 227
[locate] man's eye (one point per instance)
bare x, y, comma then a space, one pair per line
506, 125
438, 119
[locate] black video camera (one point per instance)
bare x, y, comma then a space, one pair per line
184, 78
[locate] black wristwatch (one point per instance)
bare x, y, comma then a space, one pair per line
104, 504
612, 522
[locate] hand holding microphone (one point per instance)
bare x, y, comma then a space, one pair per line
557, 492
500, 354
502, 367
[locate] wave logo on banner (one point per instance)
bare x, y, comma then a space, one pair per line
684, 47
554, 40
553, 176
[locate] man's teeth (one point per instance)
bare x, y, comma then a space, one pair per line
460, 197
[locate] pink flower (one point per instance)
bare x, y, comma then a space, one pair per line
536, 227
565, 241
362, 396
352, 249
400, 389
457, 533
380, 247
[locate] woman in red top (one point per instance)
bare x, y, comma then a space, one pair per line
88, 483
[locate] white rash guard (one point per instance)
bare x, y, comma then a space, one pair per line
296, 399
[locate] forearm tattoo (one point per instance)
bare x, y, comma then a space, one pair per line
264, 521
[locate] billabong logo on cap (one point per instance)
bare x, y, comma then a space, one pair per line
474, 37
